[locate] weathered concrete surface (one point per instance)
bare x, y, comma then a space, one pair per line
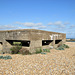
34, 36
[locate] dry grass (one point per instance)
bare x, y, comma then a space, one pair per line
57, 62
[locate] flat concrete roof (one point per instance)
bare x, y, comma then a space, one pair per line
28, 30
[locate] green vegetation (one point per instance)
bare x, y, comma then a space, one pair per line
38, 51
16, 48
46, 50
65, 46
42, 52
17, 43
62, 47
1, 57
5, 57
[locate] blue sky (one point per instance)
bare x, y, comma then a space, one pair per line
50, 15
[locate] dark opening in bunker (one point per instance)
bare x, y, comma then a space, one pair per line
1, 43
46, 42
57, 41
23, 42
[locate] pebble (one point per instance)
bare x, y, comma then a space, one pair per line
54, 63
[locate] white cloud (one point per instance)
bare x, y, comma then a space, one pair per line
4, 27
58, 23
72, 26
65, 23
42, 27
50, 23
32, 25
19, 25
39, 27
29, 24
70, 32
55, 23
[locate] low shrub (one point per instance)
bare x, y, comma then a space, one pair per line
38, 51
1, 57
65, 46
5, 57
62, 47
15, 50
43, 53
46, 50
24, 51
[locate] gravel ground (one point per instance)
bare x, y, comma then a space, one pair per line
57, 62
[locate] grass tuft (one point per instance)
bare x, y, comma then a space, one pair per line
62, 47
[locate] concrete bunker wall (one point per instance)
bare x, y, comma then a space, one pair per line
9, 36
36, 39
